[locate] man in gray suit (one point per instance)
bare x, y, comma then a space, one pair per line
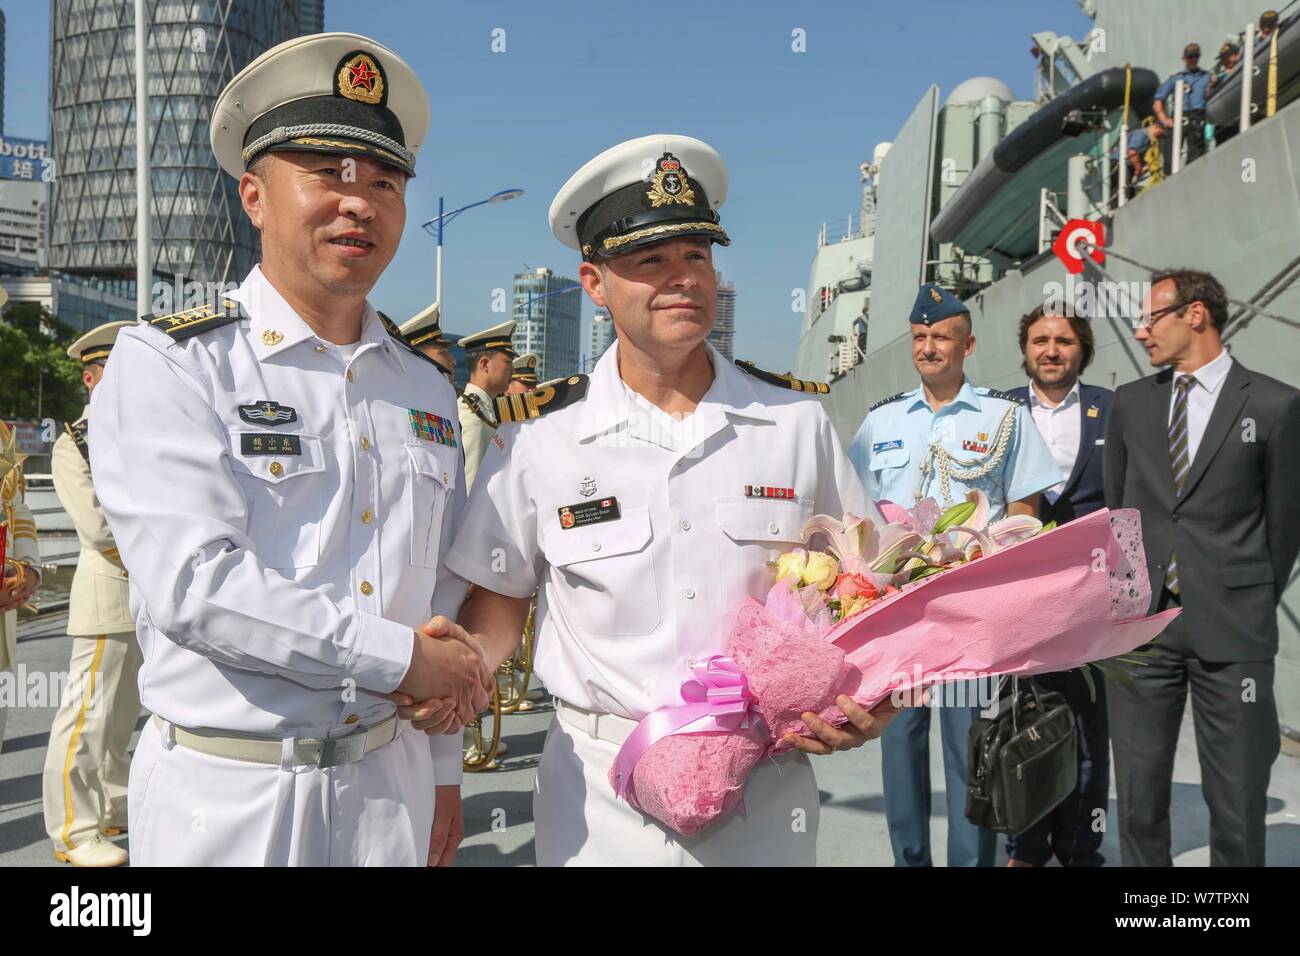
1207, 451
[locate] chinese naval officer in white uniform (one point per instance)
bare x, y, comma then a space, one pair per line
940, 440
86, 763
489, 357
281, 473
644, 505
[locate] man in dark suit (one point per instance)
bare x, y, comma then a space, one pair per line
1208, 451
1071, 417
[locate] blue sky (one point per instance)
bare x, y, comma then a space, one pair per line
578, 77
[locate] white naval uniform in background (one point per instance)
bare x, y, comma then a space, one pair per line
21, 546
625, 606
84, 783
478, 433
276, 594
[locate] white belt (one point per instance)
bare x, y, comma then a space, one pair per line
607, 727
321, 752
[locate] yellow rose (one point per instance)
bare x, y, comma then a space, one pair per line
821, 571
791, 565
851, 606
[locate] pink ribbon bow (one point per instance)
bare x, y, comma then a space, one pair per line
717, 698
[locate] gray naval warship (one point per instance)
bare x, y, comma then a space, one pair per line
976, 186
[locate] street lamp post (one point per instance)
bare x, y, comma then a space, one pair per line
440, 220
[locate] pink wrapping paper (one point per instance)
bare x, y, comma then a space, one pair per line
1053, 602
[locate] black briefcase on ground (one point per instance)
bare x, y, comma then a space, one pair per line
1022, 762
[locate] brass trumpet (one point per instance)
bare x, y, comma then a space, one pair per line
518, 671
514, 675
482, 753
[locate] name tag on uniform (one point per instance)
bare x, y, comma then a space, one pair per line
886, 445
589, 512
263, 444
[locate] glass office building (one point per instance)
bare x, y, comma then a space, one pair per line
200, 232
553, 326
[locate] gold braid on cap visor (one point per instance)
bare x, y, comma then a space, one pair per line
283, 134
668, 229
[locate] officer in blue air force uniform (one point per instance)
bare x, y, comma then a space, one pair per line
940, 440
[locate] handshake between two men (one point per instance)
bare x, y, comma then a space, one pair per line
449, 681
453, 665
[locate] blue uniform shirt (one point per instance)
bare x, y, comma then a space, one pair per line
894, 441
1198, 83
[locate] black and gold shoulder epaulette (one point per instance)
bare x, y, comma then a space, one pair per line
477, 408
785, 381
391, 328
1005, 396
77, 432
184, 325
547, 398
886, 401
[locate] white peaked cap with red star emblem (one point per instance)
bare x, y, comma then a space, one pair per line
643, 191
328, 92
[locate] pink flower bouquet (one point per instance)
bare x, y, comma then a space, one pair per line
889, 608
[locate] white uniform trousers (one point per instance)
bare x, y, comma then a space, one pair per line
193, 809
580, 821
86, 766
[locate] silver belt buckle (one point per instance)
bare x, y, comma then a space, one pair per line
335, 751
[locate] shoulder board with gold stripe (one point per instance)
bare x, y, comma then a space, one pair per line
886, 401
1005, 396
547, 398
77, 432
391, 328
184, 325
785, 381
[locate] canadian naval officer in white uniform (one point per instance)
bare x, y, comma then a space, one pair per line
637, 504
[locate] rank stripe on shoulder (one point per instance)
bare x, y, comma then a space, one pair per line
886, 401
191, 322
784, 381
548, 398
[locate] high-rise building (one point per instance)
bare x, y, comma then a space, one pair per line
199, 229
23, 199
552, 328
22, 220
311, 16
723, 335
601, 337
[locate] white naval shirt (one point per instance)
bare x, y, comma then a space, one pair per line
1200, 398
1061, 427
276, 593
626, 605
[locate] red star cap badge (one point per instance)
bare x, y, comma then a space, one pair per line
362, 75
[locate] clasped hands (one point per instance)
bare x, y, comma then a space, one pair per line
449, 681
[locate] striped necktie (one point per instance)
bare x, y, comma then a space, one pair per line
1180, 459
